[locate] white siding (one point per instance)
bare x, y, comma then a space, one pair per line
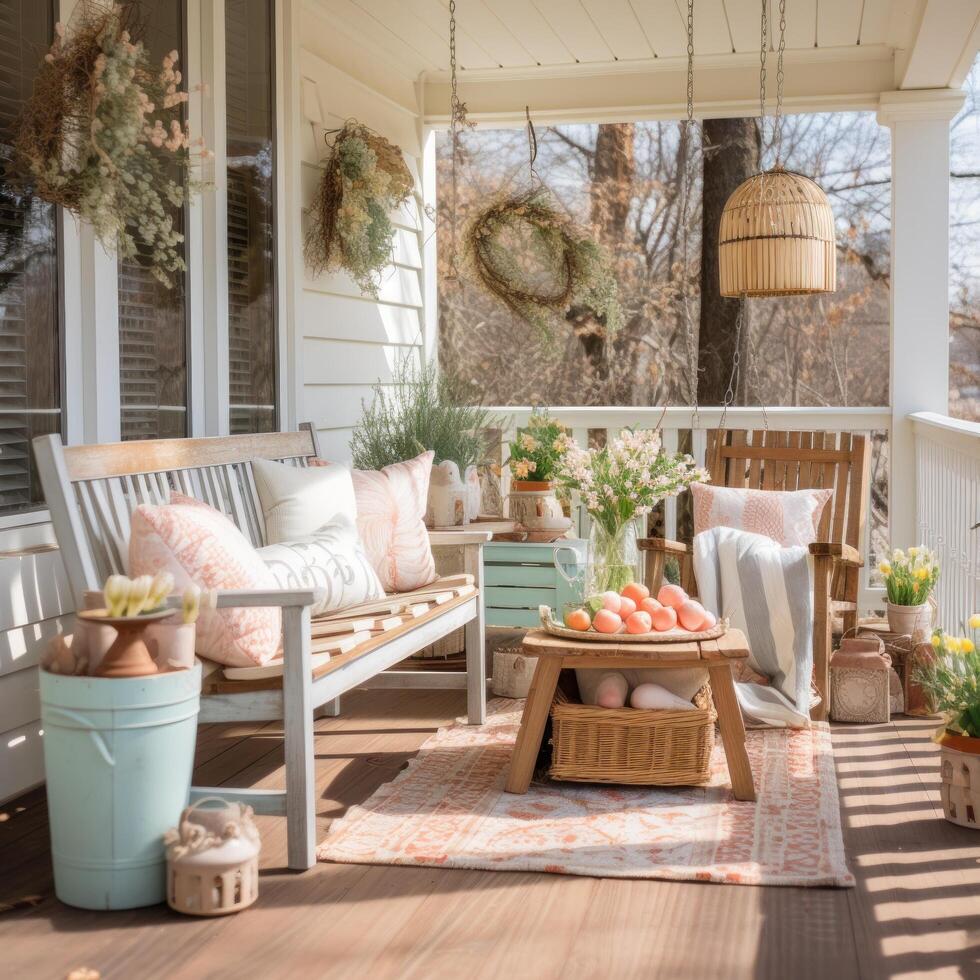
349, 341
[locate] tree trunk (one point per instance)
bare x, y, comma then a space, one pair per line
731, 155
611, 194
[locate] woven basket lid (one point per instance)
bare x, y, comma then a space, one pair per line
777, 238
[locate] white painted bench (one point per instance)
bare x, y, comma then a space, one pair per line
91, 492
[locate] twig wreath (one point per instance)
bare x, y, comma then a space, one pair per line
364, 179
538, 262
102, 135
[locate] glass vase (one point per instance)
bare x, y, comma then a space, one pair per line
614, 557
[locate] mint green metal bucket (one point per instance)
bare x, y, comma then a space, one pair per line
118, 756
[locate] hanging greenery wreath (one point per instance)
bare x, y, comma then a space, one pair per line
364, 179
102, 135
538, 262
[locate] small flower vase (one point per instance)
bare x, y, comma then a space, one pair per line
614, 557
905, 620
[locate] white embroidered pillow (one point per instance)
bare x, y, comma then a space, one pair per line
297, 501
788, 517
332, 559
198, 544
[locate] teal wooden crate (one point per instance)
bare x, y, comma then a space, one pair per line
520, 577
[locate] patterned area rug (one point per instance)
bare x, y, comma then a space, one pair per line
448, 809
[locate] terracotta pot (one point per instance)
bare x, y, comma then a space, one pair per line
129, 655
907, 619
960, 774
532, 486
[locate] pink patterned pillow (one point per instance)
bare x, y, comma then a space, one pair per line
196, 543
390, 520
789, 517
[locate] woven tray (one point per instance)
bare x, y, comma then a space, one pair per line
550, 625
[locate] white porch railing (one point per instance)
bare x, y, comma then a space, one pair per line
947, 455
677, 420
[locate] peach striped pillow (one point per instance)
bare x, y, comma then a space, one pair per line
198, 544
390, 520
788, 517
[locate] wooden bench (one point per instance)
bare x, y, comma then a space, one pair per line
91, 492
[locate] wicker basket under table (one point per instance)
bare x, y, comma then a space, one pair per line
632, 746
553, 653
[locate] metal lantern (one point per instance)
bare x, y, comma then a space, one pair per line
777, 238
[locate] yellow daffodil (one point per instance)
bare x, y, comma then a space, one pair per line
953, 644
975, 621
936, 641
967, 645
885, 568
921, 574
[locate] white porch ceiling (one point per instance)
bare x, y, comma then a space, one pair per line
854, 49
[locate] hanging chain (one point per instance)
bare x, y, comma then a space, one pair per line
532, 144
780, 78
763, 54
692, 354
457, 119
754, 371
733, 378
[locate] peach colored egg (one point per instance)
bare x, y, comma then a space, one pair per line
671, 595
709, 622
626, 607
649, 605
578, 619
611, 601
636, 591
639, 622
664, 619
606, 621
691, 615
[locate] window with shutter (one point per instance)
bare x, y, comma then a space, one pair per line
30, 348
152, 318
251, 188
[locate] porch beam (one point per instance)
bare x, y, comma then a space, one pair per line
817, 80
944, 46
919, 295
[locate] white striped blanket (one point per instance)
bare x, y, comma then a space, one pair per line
766, 591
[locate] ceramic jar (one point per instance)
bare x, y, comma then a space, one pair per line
534, 505
905, 620
213, 859
454, 499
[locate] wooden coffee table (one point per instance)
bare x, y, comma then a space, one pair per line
555, 652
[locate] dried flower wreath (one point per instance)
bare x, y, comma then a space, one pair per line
102, 135
537, 261
364, 179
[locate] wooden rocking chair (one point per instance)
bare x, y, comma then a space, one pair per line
795, 461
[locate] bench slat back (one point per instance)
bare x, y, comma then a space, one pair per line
92, 490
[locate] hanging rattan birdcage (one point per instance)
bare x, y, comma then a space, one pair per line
777, 238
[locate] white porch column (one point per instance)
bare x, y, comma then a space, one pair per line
919, 375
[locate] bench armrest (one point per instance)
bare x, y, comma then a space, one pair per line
664, 545
843, 553
438, 539
239, 598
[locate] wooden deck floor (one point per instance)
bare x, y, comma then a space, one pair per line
916, 910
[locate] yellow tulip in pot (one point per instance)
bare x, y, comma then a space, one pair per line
951, 677
910, 578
